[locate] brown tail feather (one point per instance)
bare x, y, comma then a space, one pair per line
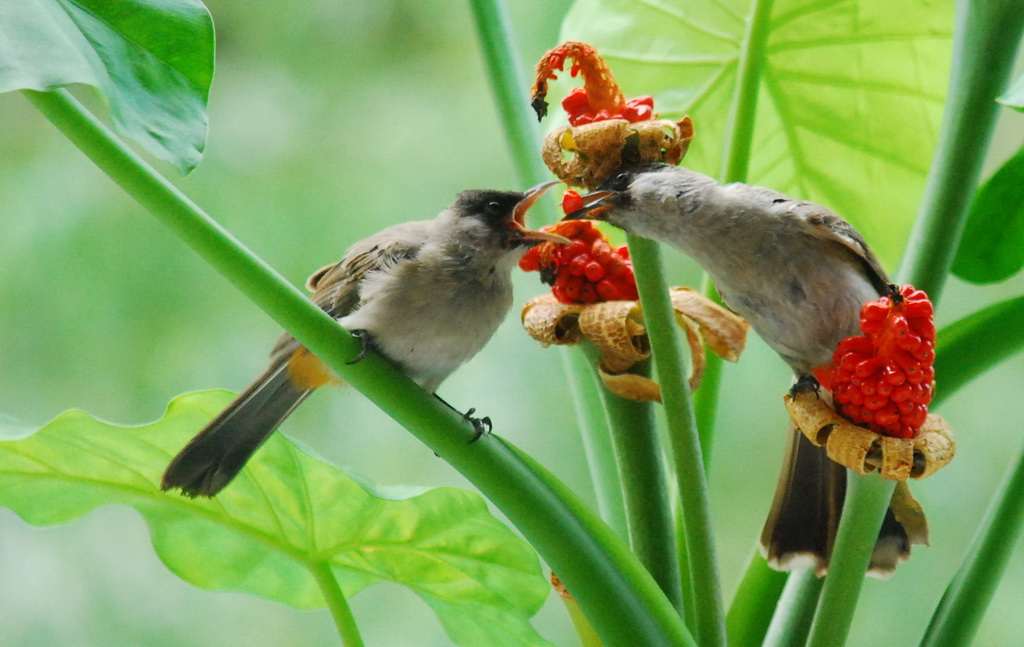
215, 456
801, 527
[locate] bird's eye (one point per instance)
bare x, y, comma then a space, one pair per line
493, 206
620, 181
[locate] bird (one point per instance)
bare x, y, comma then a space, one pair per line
426, 295
799, 274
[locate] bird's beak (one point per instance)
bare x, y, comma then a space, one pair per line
595, 205
519, 216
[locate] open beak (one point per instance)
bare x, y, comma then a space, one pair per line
595, 205
519, 216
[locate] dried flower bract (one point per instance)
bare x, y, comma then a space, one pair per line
865, 451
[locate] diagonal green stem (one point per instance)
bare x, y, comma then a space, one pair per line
659, 317
502, 60
337, 603
985, 42
739, 131
795, 611
963, 605
644, 483
967, 348
867, 500
736, 150
705, 400
986, 36
750, 613
597, 440
623, 602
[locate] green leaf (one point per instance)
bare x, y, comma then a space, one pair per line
285, 517
992, 247
151, 61
1014, 97
849, 102
966, 348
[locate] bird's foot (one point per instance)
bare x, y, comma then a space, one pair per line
481, 426
805, 384
366, 339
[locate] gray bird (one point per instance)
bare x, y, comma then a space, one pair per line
426, 295
799, 274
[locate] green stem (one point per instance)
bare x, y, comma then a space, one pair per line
867, 500
985, 42
736, 149
969, 347
620, 597
986, 36
597, 440
739, 131
963, 605
705, 400
510, 88
644, 484
795, 610
750, 613
337, 603
659, 317
584, 630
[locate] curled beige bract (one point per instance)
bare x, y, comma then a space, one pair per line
617, 329
865, 451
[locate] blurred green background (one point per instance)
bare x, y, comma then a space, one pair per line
328, 122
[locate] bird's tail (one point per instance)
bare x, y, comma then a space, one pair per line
221, 449
801, 527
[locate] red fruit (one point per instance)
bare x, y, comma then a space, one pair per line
571, 201
594, 271
868, 367
586, 270
607, 291
883, 378
578, 265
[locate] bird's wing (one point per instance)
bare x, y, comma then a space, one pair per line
335, 287
818, 221
822, 223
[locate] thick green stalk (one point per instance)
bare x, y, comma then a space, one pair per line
659, 317
750, 613
986, 37
969, 347
739, 131
644, 483
795, 610
705, 400
867, 499
337, 603
736, 149
596, 437
964, 603
621, 599
985, 42
510, 88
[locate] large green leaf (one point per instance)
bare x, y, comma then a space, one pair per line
992, 247
151, 60
287, 516
849, 102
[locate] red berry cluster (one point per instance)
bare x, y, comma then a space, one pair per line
586, 271
885, 377
577, 105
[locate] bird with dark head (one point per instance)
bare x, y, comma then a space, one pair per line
799, 274
427, 295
